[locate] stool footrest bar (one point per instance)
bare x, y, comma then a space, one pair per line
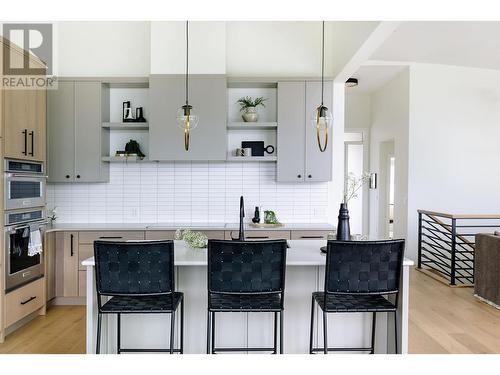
343, 349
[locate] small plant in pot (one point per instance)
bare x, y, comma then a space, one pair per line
249, 105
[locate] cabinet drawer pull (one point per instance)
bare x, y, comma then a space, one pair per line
312, 237
72, 251
32, 135
258, 237
110, 237
25, 133
28, 300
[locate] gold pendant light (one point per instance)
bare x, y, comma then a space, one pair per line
322, 118
187, 120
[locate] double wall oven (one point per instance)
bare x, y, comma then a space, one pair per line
25, 221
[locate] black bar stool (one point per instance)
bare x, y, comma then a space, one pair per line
357, 276
246, 277
139, 278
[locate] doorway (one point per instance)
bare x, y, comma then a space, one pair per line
354, 155
387, 180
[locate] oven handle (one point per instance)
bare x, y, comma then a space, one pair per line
27, 225
26, 175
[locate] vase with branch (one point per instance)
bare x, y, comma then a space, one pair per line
351, 191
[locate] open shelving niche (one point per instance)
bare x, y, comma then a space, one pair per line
119, 133
263, 130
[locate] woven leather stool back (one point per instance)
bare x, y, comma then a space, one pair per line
134, 268
365, 267
239, 267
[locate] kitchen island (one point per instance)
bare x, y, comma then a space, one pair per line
304, 275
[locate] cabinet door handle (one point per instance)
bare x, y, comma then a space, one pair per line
67, 176
77, 176
25, 133
110, 237
309, 176
32, 134
312, 237
72, 251
28, 300
299, 176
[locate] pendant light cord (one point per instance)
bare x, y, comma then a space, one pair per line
322, 60
187, 60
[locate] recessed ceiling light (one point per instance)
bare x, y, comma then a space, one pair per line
351, 82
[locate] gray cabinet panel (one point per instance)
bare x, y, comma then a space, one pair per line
318, 164
61, 133
291, 133
88, 129
207, 95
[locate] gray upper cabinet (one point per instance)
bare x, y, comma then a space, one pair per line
207, 95
75, 134
61, 132
299, 158
318, 164
291, 132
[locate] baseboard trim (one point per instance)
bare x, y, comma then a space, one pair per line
487, 301
58, 301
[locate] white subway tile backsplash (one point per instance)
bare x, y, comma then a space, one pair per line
187, 192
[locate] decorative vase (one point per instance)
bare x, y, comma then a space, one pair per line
250, 114
343, 229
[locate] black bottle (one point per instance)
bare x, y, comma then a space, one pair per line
256, 217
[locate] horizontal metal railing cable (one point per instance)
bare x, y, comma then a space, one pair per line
446, 244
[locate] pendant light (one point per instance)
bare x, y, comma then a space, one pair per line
322, 118
187, 120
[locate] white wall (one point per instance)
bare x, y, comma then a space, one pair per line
207, 47
108, 48
454, 154
357, 110
390, 121
279, 49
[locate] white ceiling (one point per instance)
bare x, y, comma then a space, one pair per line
463, 43
372, 78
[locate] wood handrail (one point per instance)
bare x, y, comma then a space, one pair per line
459, 216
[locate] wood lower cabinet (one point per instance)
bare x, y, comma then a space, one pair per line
170, 234
23, 301
260, 234
66, 265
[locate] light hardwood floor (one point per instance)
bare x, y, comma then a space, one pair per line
442, 320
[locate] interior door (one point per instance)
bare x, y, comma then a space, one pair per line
318, 164
291, 132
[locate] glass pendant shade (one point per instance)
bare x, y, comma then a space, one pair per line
186, 117
321, 118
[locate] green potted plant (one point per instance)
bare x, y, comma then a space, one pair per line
249, 105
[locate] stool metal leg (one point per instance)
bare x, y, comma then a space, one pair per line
98, 344
312, 328
172, 331
182, 326
281, 331
213, 332
396, 332
209, 331
275, 333
118, 332
325, 333
374, 319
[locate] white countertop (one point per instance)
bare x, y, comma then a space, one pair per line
300, 253
173, 226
